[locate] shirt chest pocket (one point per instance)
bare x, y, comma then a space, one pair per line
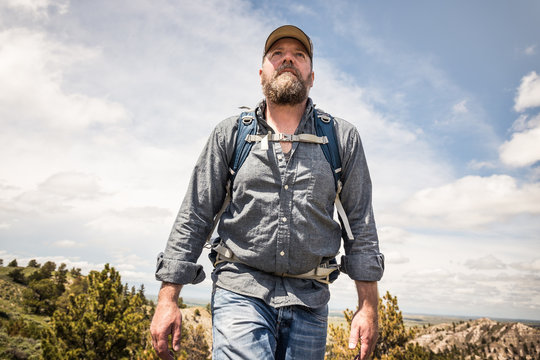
314, 180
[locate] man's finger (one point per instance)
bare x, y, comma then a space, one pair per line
365, 349
177, 334
353, 337
162, 348
154, 343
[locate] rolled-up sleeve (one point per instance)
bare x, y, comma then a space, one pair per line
362, 260
203, 199
178, 271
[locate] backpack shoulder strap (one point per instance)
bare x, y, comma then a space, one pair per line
247, 125
324, 126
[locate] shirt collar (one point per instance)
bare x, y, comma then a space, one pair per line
260, 111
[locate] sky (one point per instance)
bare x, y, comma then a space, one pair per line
105, 106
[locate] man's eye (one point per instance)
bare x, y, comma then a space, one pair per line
277, 53
301, 54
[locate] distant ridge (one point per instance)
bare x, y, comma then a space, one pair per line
482, 339
430, 319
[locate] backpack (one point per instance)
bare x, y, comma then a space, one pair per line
247, 136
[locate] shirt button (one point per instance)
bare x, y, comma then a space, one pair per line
282, 253
286, 187
284, 219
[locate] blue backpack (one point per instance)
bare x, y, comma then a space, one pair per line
246, 137
326, 137
324, 127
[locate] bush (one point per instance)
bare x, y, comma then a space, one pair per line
17, 276
33, 263
105, 323
20, 327
13, 263
40, 297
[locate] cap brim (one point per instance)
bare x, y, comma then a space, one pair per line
289, 31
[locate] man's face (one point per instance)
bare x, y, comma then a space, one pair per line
286, 74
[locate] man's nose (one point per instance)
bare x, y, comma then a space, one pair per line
287, 62
288, 57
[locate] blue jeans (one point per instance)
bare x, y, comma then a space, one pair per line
247, 328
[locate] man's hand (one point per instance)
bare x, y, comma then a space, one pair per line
167, 320
364, 325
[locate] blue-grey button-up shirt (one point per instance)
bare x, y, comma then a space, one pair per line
280, 219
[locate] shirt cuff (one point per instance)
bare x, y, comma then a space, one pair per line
363, 267
178, 271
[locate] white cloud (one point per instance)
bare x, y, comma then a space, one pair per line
523, 149
533, 265
436, 290
477, 165
100, 131
141, 220
471, 202
301, 9
392, 235
32, 67
395, 258
530, 50
58, 193
72, 185
528, 95
67, 244
488, 262
521, 123
36, 8
460, 107
391, 148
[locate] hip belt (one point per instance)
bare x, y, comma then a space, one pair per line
321, 273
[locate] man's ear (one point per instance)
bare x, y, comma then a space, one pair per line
312, 78
260, 75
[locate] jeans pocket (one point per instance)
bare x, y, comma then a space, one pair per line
320, 313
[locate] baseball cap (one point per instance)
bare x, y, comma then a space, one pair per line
289, 31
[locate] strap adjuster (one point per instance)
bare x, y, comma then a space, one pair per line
285, 137
325, 118
247, 119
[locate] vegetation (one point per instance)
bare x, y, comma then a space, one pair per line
393, 342
52, 313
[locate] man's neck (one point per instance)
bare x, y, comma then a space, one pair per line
284, 118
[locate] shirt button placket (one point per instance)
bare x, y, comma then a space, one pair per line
282, 261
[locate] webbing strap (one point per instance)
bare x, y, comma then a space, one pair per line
321, 273
342, 214
220, 212
306, 138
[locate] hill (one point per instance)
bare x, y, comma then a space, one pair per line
482, 339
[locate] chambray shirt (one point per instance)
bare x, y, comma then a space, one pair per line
280, 219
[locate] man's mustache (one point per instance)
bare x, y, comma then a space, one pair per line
283, 67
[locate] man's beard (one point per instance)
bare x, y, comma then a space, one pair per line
285, 88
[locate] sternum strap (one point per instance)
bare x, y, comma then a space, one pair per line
306, 138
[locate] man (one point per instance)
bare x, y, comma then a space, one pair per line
277, 227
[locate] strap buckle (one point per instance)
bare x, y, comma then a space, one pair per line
285, 137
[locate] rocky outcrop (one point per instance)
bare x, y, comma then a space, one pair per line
482, 339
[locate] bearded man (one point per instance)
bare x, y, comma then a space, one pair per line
277, 228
